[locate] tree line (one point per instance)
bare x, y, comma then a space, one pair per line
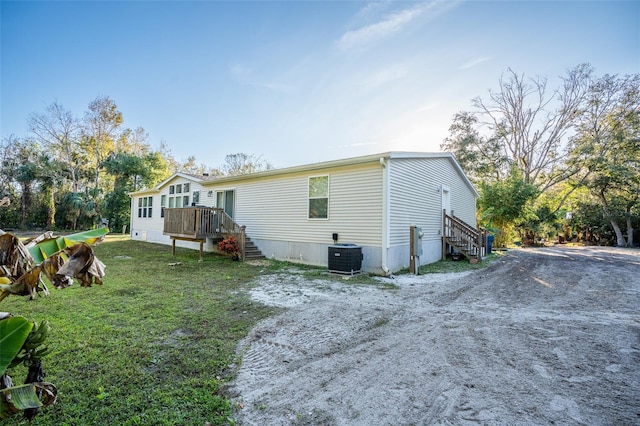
72, 172
550, 162
547, 161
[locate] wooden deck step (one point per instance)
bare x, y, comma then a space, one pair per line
251, 251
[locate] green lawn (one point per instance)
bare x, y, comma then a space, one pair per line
450, 266
154, 344
151, 346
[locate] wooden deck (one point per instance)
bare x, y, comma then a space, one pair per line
199, 223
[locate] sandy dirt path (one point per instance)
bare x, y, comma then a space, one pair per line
542, 336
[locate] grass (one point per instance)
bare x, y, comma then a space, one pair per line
153, 345
448, 265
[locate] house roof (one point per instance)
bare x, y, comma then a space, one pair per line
209, 181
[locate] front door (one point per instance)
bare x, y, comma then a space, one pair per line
225, 200
445, 191
228, 203
446, 199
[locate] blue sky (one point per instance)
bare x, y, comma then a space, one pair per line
295, 82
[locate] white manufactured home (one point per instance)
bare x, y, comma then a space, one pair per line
297, 213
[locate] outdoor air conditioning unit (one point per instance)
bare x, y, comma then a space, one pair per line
345, 259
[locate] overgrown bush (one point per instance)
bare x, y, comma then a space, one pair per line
230, 246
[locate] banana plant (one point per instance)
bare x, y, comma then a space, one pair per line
59, 259
22, 341
41, 250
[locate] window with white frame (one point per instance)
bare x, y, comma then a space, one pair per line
319, 197
163, 204
145, 205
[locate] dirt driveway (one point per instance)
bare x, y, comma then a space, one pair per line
542, 336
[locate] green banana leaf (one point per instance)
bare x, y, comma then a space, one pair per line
25, 396
13, 333
45, 249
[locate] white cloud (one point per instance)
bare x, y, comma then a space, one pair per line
371, 9
379, 30
475, 62
391, 23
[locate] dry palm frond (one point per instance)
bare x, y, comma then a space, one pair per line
18, 276
82, 264
51, 266
29, 284
14, 256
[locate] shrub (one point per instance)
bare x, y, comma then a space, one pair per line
230, 246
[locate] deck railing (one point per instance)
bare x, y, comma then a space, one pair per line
462, 236
199, 223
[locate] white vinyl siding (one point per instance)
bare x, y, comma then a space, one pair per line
154, 226
463, 201
277, 208
415, 198
370, 199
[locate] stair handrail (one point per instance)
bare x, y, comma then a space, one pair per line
229, 227
469, 235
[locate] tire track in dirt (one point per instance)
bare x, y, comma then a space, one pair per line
542, 336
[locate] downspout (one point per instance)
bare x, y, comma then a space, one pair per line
385, 215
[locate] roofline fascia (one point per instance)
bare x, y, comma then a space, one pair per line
372, 158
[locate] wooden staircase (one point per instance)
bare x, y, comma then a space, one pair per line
460, 237
199, 223
251, 251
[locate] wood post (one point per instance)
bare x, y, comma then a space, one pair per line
243, 241
444, 234
199, 240
412, 254
486, 242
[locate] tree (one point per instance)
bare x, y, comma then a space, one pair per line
20, 166
9, 214
58, 131
190, 166
242, 164
607, 149
49, 173
130, 172
504, 203
167, 155
100, 133
480, 156
134, 141
525, 127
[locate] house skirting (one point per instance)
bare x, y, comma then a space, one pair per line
312, 253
